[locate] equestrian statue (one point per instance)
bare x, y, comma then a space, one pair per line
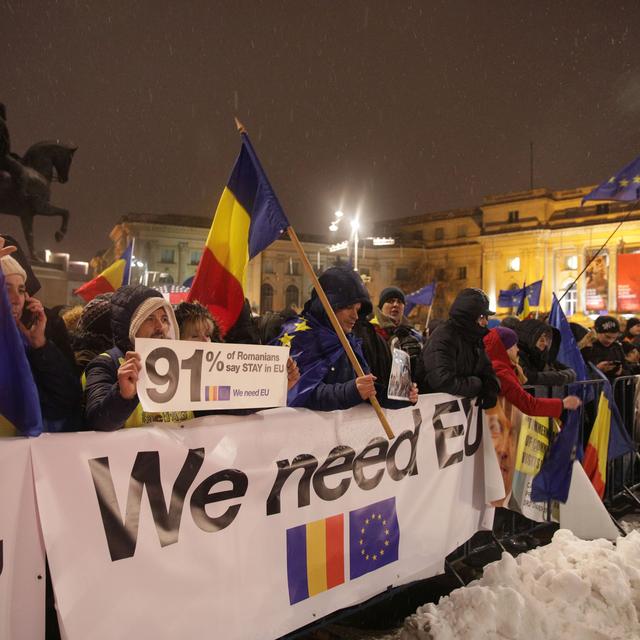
25, 183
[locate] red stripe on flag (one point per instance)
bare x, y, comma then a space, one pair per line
335, 550
590, 465
93, 288
216, 288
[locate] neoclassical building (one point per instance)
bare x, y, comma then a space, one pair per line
500, 244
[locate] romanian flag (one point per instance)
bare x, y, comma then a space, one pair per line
608, 440
524, 311
111, 279
248, 219
19, 401
315, 557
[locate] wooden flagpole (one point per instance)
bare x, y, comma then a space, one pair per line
331, 315
337, 328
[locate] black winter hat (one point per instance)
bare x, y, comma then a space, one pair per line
389, 293
606, 324
471, 304
344, 287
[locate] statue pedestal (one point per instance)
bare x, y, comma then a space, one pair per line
55, 284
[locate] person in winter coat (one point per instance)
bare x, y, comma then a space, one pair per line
388, 329
501, 345
111, 400
454, 360
538, 345
606, 352
93, 334
58, 387
327, 379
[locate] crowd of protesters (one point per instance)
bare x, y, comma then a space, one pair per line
85, 366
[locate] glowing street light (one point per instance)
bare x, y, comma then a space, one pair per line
355, 226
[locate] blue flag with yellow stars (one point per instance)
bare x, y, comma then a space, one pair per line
374, 537
316, 348
624, 186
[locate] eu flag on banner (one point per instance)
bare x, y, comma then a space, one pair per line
19, 401
374, 537
624, 186
315, 557
514, 297
421, 296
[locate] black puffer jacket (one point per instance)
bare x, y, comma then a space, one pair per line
454, 358
105, 408
541, 367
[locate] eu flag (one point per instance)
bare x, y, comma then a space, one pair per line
19, 401
515, 297
374, 537
624, 186
421, 296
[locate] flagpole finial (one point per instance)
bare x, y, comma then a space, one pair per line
240, 126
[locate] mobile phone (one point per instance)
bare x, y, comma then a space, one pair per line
616, 363
28, 317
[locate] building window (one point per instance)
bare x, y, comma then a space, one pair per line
462, 231
439, 233
293, 268
417, 235
402, 274
514, 215
195, 257
571, 263
462, 273
267, 266
266, 297
514, 264
440, 273
602, 208
291, 297
165, 278
168, 256
570, 301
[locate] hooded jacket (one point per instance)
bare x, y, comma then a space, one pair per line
105, 408
541, 367
327, 379
510, 387
454, 360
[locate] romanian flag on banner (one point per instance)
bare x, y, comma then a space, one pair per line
111, 279
608, 440
19, 401
248, 219
315, 557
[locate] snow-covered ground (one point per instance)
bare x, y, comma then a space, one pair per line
570, 588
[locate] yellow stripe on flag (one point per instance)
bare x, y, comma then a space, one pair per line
316, 557
228, 237
114, 274
599, 438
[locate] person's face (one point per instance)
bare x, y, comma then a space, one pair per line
543, 342
156, 325
512, 351
633, 356
393, 308
347, 316
635, 330
199, 330
607, 339
17, 293
483, 320
505, 447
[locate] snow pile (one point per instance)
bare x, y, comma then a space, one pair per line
570, 588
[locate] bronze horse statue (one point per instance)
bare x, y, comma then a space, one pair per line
25, 185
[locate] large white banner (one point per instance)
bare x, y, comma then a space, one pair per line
22, 569
252, 527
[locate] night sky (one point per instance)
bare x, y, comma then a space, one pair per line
390, 108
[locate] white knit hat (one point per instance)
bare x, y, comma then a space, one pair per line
11, 267
146, 308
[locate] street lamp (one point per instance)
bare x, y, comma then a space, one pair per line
355, 226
